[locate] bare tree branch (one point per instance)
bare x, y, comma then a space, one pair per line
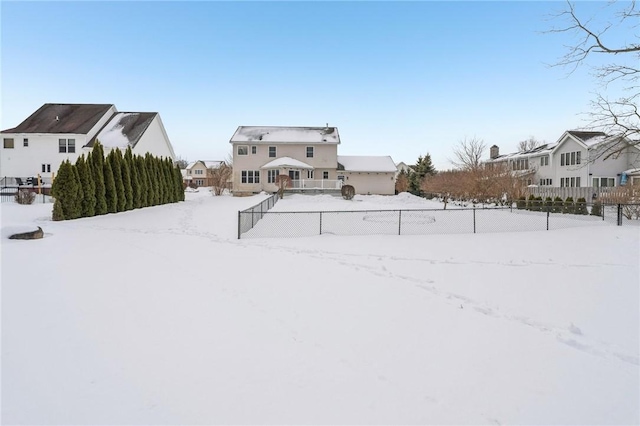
468, 153
615, 117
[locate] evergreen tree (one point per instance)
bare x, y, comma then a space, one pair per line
152, 179
65, 190
134, 178
97, 167
569, 206
521, 204
548, 204
423, 167
91, 188
116, 168
596, 209
168, 178
79, 192
531, 202
110, 187
178, 183
58, 214
558, 205
581, 206
88, 188
144, 181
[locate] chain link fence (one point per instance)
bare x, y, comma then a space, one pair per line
258, 222
248, 218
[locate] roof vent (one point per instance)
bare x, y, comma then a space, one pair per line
57, 118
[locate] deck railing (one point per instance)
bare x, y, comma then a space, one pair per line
316, 184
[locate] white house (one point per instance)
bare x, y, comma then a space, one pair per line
577, 159
57, 132
309, 156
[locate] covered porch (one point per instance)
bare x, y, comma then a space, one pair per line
301, 176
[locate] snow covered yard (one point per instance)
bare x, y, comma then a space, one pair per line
161, 316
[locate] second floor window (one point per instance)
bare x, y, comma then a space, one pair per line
8, 143
272, 151
243, 150
570, 158
544, 161
199, 171
66, 145
325, 175
46, 168
309, 152
25, 142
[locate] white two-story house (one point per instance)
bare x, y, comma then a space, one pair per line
309, 156
577, 159
58, 132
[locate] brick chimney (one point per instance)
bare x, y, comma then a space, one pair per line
494, 152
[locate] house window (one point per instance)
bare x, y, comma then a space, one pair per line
25, 142
250, 176
66, 145
243, 150
8, 143
198, 171
254, 149
309, 152
544, 160
199, 182
604, 182
520, 164
325, 175
570, 158
309, 174
545, 182
272, 151
272, 175
46, 168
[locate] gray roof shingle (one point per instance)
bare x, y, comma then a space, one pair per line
62, 118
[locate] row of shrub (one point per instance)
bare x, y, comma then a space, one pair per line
558, 205
99, 185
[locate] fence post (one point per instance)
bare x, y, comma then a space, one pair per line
619, 214
547, 219
253, 217
474, 219
399, 222
239, 224
320, 223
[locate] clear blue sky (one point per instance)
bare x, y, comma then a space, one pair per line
399, 79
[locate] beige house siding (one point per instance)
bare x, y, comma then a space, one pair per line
325, 158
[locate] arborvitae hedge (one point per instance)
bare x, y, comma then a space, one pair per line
97, 168
558, 204
596, 209
127, 182
581, 206
548, 204
110, 187
65, 190
521, 204
569, 206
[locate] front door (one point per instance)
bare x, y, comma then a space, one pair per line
294, 174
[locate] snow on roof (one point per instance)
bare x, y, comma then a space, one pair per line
540, 150
262, 134
367, 163
124, 129
286, 162
209, 164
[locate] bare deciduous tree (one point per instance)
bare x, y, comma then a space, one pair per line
594, 41
468, 153
219, 177
283, 182
528, 144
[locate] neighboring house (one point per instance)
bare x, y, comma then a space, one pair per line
197, 172
577, 159
58, 132
308, 155
402, 166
